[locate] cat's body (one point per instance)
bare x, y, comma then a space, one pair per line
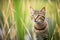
40, 33
40, 24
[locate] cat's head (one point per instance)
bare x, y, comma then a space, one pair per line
38, 15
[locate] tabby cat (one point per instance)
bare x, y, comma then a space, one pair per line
40, 24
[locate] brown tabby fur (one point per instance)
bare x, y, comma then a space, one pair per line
40, 24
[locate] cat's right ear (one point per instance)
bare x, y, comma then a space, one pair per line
31, 10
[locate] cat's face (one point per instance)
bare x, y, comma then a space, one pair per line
38, 16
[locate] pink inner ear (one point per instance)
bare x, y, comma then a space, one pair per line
43, 10
32, 10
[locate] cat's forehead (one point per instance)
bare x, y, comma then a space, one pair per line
37, 12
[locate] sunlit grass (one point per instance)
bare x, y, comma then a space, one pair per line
19, 11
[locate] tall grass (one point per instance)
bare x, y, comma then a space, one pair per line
7, 22
15, 18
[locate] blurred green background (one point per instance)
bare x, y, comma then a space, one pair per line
21, 15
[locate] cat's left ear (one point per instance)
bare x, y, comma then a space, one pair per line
43, 10
31, 10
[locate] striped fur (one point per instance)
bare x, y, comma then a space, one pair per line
40, 26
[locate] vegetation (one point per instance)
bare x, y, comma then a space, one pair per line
15, 18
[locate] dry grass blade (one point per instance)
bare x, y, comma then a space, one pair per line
25, 26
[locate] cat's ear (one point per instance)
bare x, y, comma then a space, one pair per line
31, 10
43, 10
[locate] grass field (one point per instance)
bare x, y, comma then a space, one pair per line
15, 18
